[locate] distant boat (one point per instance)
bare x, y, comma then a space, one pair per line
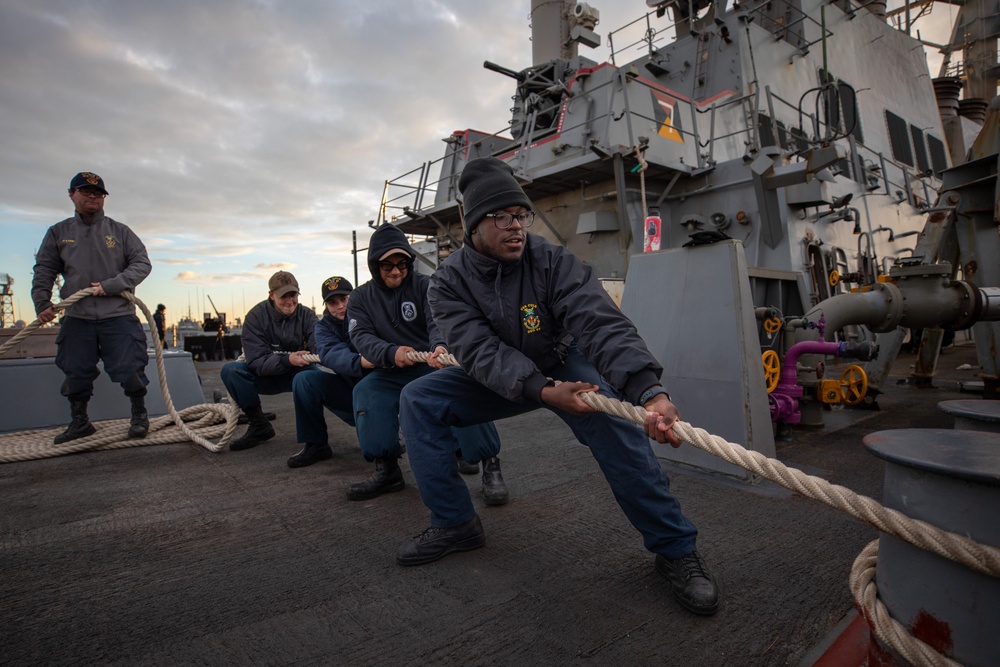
184, 327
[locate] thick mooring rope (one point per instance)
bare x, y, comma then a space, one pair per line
889, 631
210, 420
979, 557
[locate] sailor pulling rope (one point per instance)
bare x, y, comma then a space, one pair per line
979, 557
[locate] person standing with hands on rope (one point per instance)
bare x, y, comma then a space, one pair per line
334, 391
92, 250
516, 310
388, 318
277, 336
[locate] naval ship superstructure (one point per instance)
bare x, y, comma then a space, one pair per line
808, 131
808, 134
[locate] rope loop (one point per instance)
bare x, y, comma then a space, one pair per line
211, 420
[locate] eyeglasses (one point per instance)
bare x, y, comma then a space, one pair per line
92, 193
389, 266
504, 220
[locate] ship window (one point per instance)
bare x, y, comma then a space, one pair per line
782, 134
831, 109
852, 119
938, 157
845, 167
799, 138
919, 149
899, 138
766, 130
840, 106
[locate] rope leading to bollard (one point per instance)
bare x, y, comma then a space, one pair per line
209, 420
979, 557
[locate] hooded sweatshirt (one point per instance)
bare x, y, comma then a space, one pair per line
380, 319
104, 251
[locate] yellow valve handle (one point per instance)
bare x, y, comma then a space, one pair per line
834, 278
771, 325
853, 384
772, 369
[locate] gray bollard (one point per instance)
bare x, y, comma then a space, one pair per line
951, 479
974, 414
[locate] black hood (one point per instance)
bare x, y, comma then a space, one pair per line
386, 238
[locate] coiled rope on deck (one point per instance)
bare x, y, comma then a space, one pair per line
209, 420
979, 557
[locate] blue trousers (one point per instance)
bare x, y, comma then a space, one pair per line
119, 342
376, 414
314, 390
431, 406
245, 386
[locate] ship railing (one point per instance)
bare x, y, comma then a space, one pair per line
406, 194
779, 17
649, 40
789, 23
871, 168
409, 192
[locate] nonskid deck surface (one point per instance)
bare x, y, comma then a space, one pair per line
173, 555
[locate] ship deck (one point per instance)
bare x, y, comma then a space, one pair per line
171, 554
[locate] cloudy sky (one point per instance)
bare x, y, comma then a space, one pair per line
237, 137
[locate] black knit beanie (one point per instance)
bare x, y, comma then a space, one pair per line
488, 185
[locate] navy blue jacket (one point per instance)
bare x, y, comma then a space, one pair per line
380, 320
508, 323
267, 330
334, 348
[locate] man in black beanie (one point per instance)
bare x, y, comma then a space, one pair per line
516, 310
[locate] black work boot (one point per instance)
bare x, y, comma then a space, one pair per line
387, 478
309, 455
79, 425
465, 467
139, 426
435, 543
257, 432
494, 490
691, 583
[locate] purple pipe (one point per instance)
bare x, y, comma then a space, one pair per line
784, 400
789, 374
